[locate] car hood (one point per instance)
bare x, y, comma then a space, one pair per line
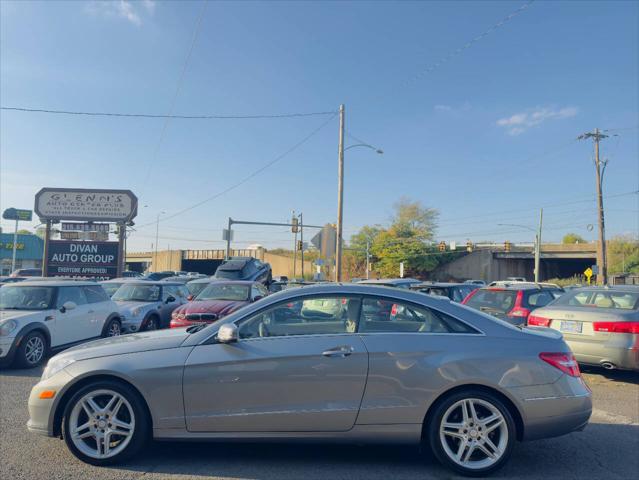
126, 305
15, 314
131, 343
218, 307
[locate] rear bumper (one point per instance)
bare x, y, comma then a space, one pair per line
621, 358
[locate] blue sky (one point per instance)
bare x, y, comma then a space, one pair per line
486, 138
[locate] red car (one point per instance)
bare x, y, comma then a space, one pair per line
217, 301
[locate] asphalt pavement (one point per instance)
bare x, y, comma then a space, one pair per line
607, 449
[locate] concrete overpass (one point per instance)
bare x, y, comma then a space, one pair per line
493, 262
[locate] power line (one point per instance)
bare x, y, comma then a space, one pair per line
181, 117
470, 43
247, 178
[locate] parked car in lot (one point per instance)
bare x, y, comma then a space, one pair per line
476, 282
340, 378
155, 276
26, 272
245, 268
512, 302
391, 282
40, 317
600, 325
131, 274
455, 291
216, 301
147, 305
7, 280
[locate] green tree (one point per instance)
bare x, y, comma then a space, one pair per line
623, 254
24, 231
570, 238
412, 219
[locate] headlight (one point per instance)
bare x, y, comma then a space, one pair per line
55, 365
7, 327
136, 311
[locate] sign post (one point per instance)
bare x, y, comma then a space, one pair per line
17, 215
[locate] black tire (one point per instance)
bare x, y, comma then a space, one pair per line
152, 323
141, 431
25, 355
439, 450
110, 328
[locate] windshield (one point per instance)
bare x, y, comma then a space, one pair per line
111, 288
137, 293
216, 291
229, 274
26, 298
196, 288
493, 301
600, 299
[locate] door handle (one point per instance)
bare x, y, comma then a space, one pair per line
343, 351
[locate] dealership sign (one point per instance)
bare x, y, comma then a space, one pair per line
86, 204
82, 259
17, 214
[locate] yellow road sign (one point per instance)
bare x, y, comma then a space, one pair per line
588, 274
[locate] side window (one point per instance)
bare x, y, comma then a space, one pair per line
95, 294
182, 291
540, 299
384, 316
310, 316
169, 291
71, 294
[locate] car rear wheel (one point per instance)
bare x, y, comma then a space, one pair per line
32, 350
105, 423
472, 432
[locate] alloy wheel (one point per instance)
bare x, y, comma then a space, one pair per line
114, 329
473, 433
102, 424
34, 350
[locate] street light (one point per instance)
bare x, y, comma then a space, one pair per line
157, 234
340, 192
537, 240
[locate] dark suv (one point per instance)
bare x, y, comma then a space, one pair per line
245, 268
510, 302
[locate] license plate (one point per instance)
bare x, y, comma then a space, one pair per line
571, 327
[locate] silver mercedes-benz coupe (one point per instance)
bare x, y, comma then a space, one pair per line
330, 363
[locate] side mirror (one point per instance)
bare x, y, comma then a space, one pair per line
190, 298
258, 297
227, 333
68, 306
170, 299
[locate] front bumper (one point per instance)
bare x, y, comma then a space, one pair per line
42, 411
132, 325
8, 347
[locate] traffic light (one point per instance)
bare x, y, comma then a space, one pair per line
300, 245
295, 225
442, 246
507, 246
469, 246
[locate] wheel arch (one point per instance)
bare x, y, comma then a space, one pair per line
83, 382
113, 316
30, 327
512, 407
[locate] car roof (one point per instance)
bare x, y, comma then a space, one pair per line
234, 264
203, 280
516, 286
135, 281
119, 280
609, 288
52, 283
388, 281
439, 284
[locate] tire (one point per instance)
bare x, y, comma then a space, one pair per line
32, 350
96, 431
113, 328
152, 323
468, 437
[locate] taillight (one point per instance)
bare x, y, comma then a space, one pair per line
616, 327
537, 321
563, 361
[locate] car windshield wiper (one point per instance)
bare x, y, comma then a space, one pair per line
196, 328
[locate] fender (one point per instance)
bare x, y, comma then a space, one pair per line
113, 316
24, 331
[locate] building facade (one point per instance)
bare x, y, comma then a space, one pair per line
29, 249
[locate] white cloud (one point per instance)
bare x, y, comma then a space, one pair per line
520, 122
125, 9
453, 109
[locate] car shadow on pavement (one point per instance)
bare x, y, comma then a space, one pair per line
625, 376
22, 372
561, 459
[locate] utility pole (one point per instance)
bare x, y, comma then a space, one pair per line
538, 247
368, 261
340, 196
600, 166
157, 234
294, 245
302, 240
15, 246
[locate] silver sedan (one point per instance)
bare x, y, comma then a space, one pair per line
328, 363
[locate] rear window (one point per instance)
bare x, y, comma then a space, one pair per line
493, 301
600, 299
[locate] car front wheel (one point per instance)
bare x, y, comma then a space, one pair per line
31, 351
472, 432
113, 328
105, 423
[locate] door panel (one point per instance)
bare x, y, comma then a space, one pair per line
294, 383
72, 325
